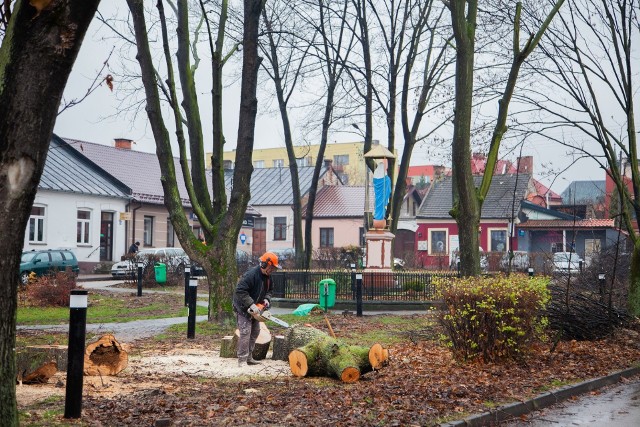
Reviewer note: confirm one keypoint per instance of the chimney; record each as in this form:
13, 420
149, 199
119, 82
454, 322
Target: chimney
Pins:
123, 143
525, 164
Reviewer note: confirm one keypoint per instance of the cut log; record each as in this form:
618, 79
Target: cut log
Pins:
41, 375
327, 356
229, 344
227, 347
105, 357
280, 348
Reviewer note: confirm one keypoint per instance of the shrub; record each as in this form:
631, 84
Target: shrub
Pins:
51, 290
492, 317
413, 285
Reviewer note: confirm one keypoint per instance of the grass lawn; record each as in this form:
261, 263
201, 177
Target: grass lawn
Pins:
110, 308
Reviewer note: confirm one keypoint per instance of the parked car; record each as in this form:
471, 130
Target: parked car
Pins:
175, 259
520, 261
45, 261
484, 261
566, 262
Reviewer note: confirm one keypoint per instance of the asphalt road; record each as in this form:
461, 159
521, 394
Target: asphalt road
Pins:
614, 406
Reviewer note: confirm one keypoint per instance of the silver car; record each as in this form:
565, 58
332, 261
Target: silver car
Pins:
176, 260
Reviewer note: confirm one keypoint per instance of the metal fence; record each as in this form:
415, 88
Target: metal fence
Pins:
382, 286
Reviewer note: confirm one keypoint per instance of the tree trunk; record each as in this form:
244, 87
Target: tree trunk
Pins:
37, 53
229, 344
105, 357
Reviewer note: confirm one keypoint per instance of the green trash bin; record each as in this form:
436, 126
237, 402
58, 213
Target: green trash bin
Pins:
161, 272
327, 291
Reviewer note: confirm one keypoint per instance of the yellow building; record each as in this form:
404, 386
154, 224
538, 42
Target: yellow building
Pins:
347, 159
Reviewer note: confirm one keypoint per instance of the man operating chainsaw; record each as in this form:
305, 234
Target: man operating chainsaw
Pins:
252, 296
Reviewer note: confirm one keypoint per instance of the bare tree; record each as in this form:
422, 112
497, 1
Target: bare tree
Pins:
328, 18
286, 49
467, 199
220, 221
40, 44
589, 72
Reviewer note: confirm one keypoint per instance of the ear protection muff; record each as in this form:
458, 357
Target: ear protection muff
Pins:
264, 264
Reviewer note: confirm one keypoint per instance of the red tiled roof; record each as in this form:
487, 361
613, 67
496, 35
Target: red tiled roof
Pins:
542, 190
568, 223
422, 170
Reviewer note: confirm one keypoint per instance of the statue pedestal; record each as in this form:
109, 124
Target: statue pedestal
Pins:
378, 247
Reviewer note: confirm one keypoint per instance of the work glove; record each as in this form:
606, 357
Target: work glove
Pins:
267, 304
253, 309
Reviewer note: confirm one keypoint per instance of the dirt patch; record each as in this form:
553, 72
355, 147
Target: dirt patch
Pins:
149, 370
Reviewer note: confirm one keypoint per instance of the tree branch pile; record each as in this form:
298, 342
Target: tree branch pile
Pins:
582, 315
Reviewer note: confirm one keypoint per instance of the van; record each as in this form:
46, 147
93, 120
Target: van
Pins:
45, 261
566, 262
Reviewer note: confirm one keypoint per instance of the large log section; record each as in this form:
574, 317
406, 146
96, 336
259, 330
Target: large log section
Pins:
326, 356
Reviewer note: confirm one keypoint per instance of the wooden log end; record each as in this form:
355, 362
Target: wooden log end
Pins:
350, 375
376, 356
298, 363
42, 374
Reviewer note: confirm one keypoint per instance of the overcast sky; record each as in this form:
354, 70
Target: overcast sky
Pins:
96, 120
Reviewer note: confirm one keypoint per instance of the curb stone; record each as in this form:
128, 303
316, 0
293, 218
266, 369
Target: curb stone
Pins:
514, 410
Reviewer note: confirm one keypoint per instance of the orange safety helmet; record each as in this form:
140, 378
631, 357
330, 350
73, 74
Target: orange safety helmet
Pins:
269, 258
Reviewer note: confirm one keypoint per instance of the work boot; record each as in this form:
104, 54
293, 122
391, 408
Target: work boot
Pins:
242, 362
252, 361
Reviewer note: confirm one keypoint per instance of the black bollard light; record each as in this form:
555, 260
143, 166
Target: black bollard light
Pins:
191, 320
530, 271
601, 283
359, 294
353, 281
75, 353
187, 273
140, 267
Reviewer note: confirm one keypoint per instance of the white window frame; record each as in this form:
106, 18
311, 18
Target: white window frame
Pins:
258, 164
430, 231
490, 230
147, 232
84, 227
278, 163
39, 225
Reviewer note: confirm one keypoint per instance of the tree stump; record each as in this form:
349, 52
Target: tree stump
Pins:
30, 358
280, 348
229, 345
105, 357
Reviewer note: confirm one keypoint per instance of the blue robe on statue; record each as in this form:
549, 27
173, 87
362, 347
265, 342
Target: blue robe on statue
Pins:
382, 192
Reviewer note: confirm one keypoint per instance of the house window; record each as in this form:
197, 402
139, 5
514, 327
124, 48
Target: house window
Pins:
36, 224
305, 161
197, 231
326, 237
362, 240
83, 227
148, 231
498, 241
280, 228
438, 240
258, 164
341, 159
557, 247
591, 246
170, 234
278, 163
227, 164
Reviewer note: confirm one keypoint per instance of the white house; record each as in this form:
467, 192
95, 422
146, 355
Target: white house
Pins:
77, 207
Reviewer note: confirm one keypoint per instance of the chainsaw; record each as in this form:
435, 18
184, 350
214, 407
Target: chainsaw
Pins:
265, 315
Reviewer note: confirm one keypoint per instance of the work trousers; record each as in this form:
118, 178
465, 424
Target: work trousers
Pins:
249, 331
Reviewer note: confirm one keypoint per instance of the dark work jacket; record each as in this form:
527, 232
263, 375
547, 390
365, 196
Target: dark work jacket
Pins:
253, 288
